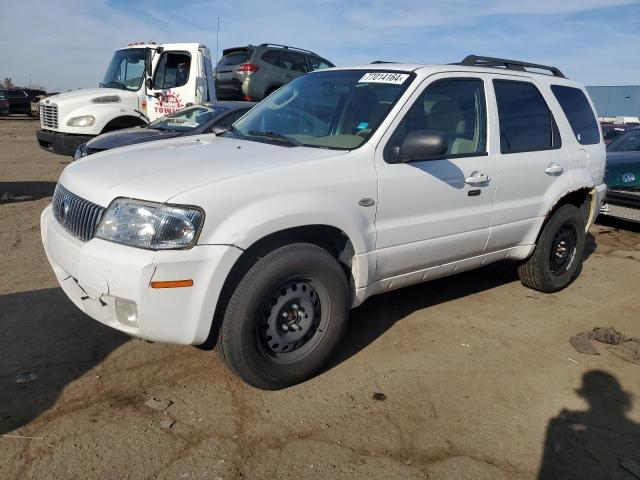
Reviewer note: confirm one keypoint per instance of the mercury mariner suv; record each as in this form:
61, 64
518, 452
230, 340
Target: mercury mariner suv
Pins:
343, 184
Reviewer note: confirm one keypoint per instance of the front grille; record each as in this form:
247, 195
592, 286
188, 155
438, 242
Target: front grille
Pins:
49, 115
78, 216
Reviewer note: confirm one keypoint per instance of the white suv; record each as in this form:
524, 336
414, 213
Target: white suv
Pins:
343, 184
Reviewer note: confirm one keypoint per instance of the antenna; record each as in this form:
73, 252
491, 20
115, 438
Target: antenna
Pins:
217, 39
163, 26
215, 94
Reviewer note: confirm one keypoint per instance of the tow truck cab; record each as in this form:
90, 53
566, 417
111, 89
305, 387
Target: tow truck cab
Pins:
143, 82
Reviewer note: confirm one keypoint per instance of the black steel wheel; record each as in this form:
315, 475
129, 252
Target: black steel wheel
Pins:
557, 258
285, 317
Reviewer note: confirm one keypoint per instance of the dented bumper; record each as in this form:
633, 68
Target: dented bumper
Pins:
100, 277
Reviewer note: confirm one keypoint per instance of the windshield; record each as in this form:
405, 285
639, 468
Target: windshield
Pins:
627, 142
126, 70
337, 109
188, 118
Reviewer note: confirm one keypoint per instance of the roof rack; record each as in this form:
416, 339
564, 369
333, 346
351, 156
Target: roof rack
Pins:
478, 61
380, 61
284, 46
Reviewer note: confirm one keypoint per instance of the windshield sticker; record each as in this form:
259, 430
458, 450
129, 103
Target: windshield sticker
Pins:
362, 125
384, 77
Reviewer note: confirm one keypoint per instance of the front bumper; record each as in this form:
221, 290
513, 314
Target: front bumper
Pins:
624, 204
96, 273
60, 142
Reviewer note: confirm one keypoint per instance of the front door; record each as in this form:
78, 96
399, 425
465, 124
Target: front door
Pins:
437, 211
173, 85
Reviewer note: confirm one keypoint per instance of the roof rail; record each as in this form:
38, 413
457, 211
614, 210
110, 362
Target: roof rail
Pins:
380, 61
478, 61
285, 46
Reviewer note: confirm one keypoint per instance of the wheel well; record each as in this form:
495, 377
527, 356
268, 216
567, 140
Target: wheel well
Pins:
580, 198
332, 239
126, 121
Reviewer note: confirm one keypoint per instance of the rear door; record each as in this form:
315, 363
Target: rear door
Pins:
534, 170
293, 63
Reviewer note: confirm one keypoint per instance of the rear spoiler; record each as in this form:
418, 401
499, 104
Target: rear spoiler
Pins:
227, 51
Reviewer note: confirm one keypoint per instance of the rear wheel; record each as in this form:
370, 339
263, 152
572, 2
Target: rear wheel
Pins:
285, 317
557, 258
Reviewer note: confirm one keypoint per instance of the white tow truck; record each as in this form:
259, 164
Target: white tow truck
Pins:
142, 83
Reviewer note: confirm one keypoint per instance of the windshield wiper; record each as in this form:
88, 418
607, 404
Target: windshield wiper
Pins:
231, 129
119, 85
275, 136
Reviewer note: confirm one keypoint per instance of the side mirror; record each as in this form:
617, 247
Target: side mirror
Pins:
148, 83
423, 145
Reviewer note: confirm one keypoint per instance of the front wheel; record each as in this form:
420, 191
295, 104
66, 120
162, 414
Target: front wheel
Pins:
285, 317
557, 258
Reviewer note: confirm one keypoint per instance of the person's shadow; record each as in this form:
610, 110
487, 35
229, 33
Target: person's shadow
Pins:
591, 444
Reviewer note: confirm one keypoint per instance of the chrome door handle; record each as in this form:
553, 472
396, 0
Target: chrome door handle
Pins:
477, 178
554, 169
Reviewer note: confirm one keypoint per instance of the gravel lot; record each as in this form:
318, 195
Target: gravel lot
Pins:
478, 378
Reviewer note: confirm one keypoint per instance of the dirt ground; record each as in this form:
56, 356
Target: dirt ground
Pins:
478, 376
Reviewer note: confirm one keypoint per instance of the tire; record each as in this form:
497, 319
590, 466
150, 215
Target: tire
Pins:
301, 286
557, 258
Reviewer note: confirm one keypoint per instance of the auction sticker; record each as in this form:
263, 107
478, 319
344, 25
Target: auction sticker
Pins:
384, 77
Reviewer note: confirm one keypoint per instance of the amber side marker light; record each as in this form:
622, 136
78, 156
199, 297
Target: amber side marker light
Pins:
172, 284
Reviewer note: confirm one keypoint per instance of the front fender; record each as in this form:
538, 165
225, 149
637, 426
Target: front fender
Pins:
260, 218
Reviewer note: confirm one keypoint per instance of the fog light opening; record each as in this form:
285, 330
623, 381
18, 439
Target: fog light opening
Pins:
127, 312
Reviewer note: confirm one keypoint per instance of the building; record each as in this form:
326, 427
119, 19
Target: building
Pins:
616, 101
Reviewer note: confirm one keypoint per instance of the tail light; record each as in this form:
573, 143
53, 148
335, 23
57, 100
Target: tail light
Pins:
248, 68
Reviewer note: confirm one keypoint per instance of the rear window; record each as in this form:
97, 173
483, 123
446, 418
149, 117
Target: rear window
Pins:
579, 113
235, 58
526, 123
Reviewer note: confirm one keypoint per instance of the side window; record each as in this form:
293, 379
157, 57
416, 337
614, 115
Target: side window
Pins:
272, 57
579, 113
455, 107
172, 70
318, 63
294, 61
228, 120
17, 94
526, 123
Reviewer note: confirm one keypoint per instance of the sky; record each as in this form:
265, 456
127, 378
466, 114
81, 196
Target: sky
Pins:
65, 44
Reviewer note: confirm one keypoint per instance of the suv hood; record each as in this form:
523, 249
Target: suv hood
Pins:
129, 136
163, 169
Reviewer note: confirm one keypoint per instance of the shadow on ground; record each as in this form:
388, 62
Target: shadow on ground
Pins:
597, 443
379, 313
43, 332
618, 224
16, 192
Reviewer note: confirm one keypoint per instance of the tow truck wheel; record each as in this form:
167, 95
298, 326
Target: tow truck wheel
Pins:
285, 317
557, 258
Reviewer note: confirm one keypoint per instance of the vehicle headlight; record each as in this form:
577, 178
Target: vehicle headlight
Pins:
154, 226
106, 99
83, 121
81, 152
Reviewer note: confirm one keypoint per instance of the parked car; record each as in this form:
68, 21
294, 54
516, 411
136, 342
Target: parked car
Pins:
611, 131
623, 177
255, 71
194, 120
343, 184
19, 101
4, 104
